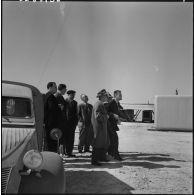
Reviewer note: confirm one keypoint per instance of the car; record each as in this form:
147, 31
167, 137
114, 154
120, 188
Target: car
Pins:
26, 167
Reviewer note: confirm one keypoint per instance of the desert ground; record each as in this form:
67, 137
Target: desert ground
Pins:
155, 162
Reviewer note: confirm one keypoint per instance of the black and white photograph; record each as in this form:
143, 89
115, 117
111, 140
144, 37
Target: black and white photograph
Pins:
97, 97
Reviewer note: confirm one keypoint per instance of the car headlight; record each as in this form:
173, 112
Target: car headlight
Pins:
33, 159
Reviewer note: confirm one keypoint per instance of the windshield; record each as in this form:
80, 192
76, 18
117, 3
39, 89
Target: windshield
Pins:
16, 107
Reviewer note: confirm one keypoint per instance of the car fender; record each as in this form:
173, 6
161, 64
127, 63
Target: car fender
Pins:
50, 179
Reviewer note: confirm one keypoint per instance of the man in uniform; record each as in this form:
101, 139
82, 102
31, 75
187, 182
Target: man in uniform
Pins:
52, 115
84, 124
62, 104
72, 121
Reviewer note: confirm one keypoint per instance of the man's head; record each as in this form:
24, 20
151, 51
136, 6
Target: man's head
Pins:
117, 95
109, 97
51, 86
62, 88
84, 98
71, 94
102, 95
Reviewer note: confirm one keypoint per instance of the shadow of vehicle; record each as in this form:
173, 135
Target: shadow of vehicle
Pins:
95, 182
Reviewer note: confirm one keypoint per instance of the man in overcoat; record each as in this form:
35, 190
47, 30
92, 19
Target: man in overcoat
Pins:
99, 122
84, 124
52, 114
72, 121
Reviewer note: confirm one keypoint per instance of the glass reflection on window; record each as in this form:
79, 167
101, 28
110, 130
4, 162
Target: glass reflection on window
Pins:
10, 106
16, 107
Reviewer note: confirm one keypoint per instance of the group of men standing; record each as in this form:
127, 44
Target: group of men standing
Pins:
60, 113
98, 124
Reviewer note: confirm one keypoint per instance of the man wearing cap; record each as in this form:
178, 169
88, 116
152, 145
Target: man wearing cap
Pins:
72, 120
51, 115
99, 122
84, 124
63, 121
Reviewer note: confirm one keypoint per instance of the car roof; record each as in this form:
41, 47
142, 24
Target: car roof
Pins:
14, 90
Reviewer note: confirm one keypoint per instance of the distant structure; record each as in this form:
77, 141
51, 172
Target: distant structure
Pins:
176, 92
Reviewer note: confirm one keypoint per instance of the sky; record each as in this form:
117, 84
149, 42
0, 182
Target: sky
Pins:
142, 48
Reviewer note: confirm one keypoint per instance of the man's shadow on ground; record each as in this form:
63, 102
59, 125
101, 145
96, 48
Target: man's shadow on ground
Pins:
95, 182
145, 160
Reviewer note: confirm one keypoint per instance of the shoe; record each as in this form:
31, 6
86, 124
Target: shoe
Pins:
88, 151
118, 158
110, 157
71, 155
104, 160
96, 163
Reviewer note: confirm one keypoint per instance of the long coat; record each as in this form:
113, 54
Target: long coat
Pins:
84, 124
52, 112
84, 113
71, 113
61, 100
99, 123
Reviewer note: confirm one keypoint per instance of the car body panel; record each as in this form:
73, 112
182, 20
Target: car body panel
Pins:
21, 134
52, 172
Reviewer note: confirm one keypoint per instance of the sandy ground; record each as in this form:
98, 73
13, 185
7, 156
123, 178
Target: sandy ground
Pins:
155, 162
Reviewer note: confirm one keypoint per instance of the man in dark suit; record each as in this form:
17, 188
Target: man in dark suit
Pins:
114, 110
62, 104
51, 115
72, 120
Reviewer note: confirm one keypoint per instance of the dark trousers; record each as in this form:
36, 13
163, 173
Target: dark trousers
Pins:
98, 154
95, 155
69, 139
63, 142
114, 143
51, 144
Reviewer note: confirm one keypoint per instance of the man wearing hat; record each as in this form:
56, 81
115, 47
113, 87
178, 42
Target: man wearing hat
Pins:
72, 120
99, 123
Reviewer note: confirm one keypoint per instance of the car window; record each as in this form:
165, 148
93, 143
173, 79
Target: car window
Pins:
16, 107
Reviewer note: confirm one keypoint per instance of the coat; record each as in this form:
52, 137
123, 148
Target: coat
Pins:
84, 114
84, 124
71, 113
61, 100
52, 112
99, 123
114, 108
